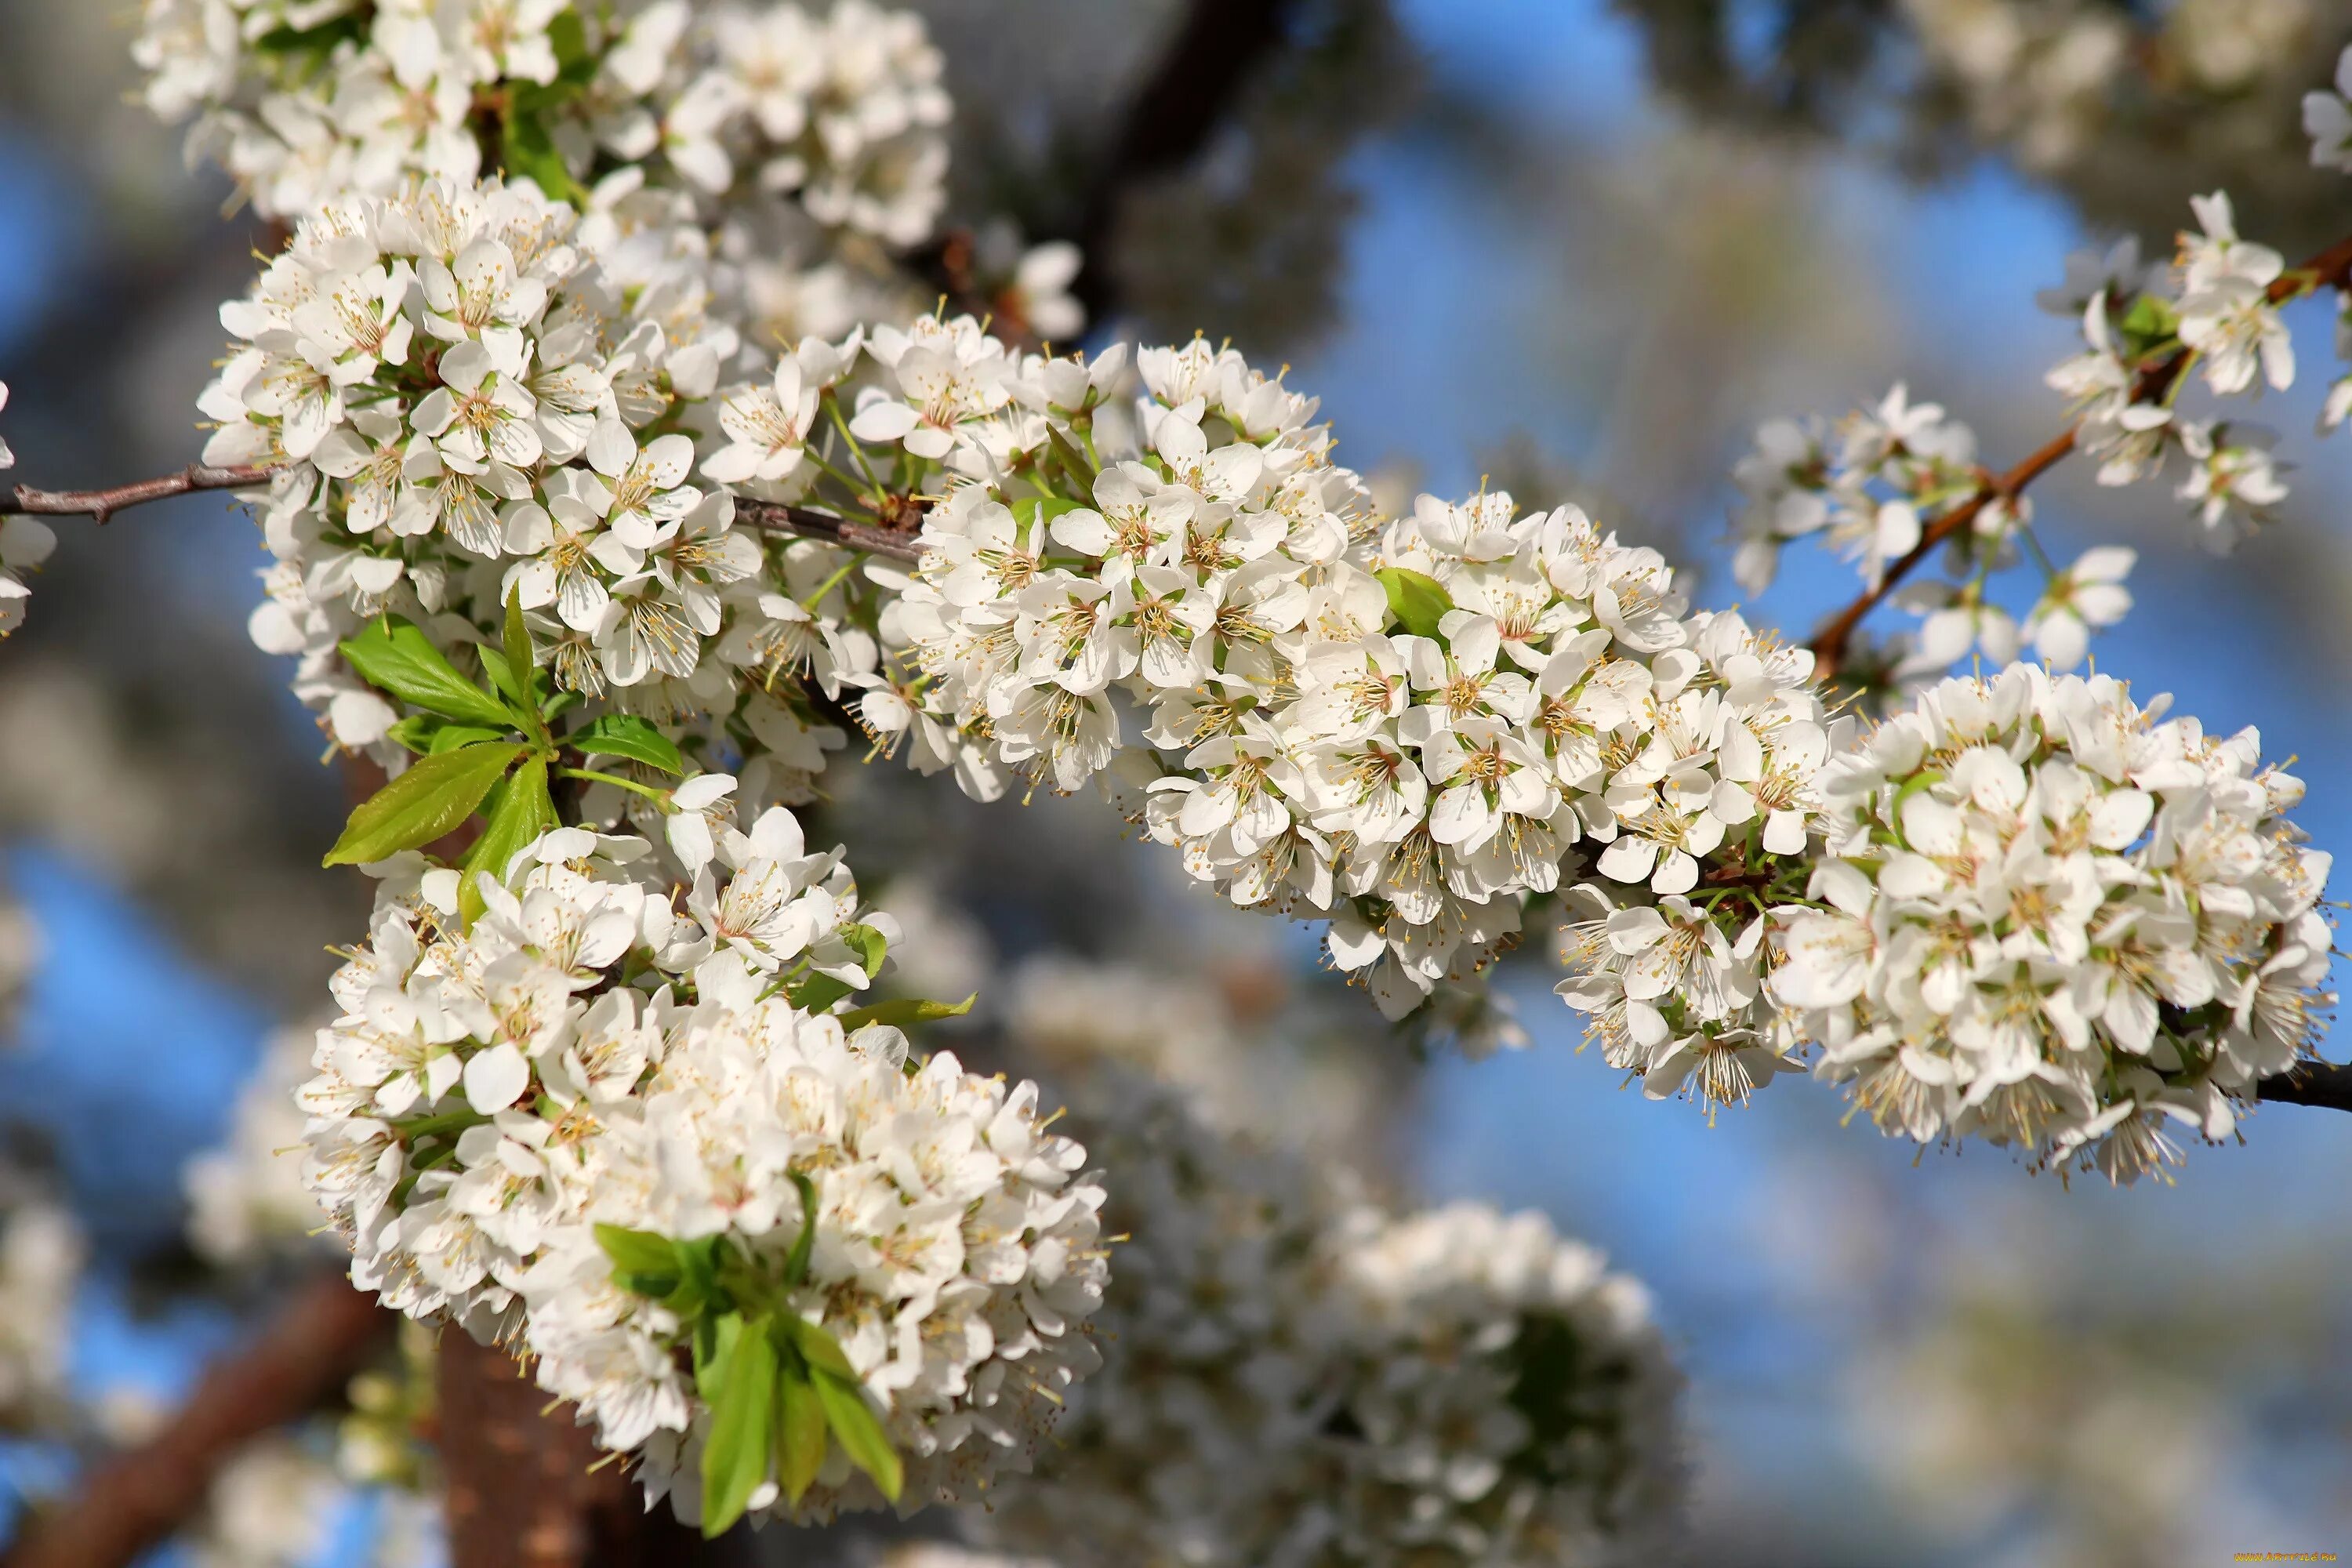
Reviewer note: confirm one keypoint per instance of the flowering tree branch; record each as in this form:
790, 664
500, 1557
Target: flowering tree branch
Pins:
305, 1356
99, 505
2329, 267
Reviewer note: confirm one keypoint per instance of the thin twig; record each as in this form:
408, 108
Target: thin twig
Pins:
2328, 269
2328, 1084
100, 505
323, 1335
765, 517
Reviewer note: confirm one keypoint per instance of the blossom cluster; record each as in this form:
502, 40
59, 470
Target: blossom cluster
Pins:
25, 543
1877, 485
1406, 727
1297, 1378
248, 1203
836, 119
469, 405
598, 1055
2055, 920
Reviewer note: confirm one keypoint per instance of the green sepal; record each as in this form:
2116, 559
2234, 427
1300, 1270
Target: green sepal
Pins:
433, 798
392, 654
1416, 603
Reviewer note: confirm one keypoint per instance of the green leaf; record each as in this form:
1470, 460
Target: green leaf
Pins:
452, 737
796, 1264
637, 1251
392, 654
1416, 603
525, 149
800, 1434
626, 736
819, 1349
816, 993
1031, 509
905, 1011
520, 663
524, 812
743, 1425
872, 946
1073, 462
432, 797
415, 733
567, 36
860, 1433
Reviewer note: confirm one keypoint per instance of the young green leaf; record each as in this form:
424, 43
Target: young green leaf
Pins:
626, 736
526, 149
800, 1434
871, 944
451, 736
818, 1348
524, 812
859, 1433
638, 1251
742, 1427
1417, 602
905, 1010
432, 797
796, 1264
1041, 509
519, 668
1073, 462
815, 992
392, 654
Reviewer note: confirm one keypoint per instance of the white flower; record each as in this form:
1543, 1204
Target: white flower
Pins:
2086, 596
2327, 120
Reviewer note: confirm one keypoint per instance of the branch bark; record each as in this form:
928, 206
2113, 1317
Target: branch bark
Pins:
101, 504
2328, 1084
309, 1350
765, 517
2329, 269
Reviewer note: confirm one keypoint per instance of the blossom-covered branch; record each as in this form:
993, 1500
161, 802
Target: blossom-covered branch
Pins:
99, 505
2151, 384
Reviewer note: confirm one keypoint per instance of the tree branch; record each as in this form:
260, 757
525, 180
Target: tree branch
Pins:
100, 505
764, 517
2330, 268
1198, 81
322, 1336
2328, 1084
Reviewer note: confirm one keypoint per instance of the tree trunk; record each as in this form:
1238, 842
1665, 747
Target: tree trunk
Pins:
525, 1489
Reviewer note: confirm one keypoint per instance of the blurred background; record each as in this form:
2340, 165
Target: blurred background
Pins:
1579, 250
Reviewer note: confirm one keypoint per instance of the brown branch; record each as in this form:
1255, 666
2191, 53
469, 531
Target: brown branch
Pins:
322, 1336
2329, 267
100, 505
2328, 1084
764, 517
1198, 82
773, 517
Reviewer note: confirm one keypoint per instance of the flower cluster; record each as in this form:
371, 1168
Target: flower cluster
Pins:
470, 406
1869, 487
2143, 331
25, 543
1406, 727
506, 1115
2054, 920
310, 102
1295, 1379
